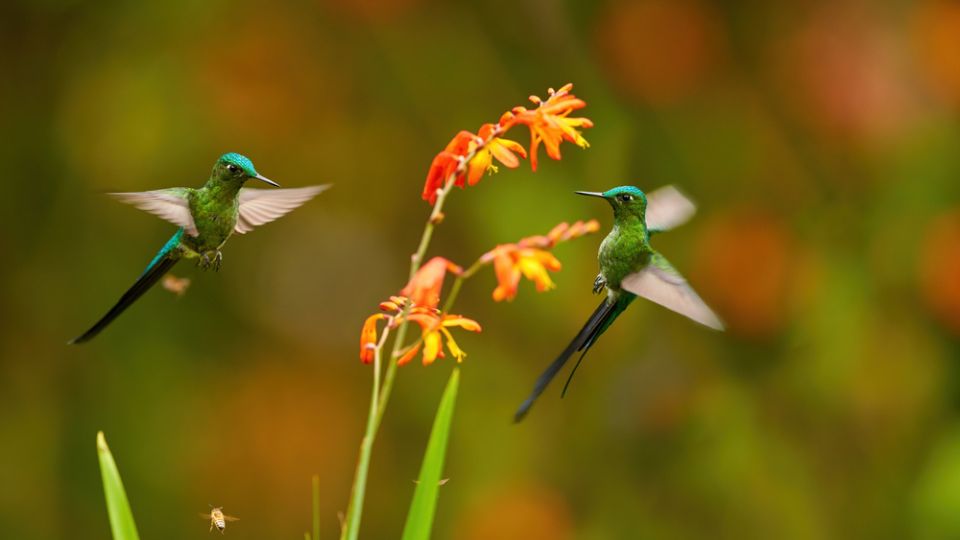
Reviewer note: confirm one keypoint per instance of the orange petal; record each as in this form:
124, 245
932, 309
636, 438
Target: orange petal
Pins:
425, 286
368, 338
508, 277
478, 165
407, 356
469, 325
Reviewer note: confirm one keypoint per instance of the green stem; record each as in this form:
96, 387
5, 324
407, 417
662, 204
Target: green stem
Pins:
455, 289
352, 527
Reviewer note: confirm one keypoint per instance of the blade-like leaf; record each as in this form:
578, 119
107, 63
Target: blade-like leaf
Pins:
424, 504
316, 507
121, 519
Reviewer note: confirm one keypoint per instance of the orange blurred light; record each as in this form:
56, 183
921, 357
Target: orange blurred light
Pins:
518, 513
940, 269
659, 51
936, 35
744, 257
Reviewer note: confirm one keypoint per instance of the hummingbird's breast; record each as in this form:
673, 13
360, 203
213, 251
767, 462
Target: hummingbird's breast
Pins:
215, 221
622, 252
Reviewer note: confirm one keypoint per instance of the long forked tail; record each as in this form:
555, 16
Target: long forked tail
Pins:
596, 324
155, 271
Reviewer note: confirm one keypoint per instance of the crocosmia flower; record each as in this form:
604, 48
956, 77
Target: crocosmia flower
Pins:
531, 258
469, 156
511, 261
424, 289
434, 327
550, 123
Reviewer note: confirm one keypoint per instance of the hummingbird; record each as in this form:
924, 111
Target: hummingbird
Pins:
207, 217
630, 267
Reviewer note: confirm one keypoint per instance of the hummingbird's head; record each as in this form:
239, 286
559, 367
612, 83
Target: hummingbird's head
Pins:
233, 167
625, 200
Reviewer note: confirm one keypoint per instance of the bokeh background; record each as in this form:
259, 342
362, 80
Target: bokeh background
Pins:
820, 139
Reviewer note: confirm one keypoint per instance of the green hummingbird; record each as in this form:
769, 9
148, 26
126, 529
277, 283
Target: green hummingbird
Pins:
207, 217
630, 267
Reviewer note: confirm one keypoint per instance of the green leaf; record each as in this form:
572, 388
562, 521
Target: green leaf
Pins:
316, 508
424, 503
121, 519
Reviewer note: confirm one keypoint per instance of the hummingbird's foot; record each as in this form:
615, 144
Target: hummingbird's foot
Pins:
205, 261
217, 260
599, 284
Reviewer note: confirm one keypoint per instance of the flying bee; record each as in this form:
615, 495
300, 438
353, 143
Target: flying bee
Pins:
217, 518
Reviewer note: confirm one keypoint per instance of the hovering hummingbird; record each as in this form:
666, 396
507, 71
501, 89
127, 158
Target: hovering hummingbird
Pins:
207, 217
630, 267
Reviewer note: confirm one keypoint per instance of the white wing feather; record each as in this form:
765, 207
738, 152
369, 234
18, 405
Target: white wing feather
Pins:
168, 204
259, 206
668, 208
660, 283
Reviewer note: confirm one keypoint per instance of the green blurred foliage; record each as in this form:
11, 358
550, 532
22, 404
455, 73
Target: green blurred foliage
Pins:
819, 139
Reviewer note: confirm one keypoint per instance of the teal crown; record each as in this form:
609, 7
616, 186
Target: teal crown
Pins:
620, 190
240, 161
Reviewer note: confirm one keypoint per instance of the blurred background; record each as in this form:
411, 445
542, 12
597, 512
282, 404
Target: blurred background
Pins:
820, 140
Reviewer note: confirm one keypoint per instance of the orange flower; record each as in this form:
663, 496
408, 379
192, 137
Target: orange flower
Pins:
549, 123
424, 289
446, 163
510, 261
530, 258
482, 147
434, 327
468, 156
493, 147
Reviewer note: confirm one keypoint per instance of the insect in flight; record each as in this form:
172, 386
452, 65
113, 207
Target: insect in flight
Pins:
217, 518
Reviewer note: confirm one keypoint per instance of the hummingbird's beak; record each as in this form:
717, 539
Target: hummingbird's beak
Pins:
590, 194
263, 178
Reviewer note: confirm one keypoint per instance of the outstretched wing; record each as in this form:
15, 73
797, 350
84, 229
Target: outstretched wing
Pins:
169, 204
259, 206
230, 518
667, 208
659, 282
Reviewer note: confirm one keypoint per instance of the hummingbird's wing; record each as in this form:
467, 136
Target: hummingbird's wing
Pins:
667, 208
259, 206
659, 282
169, 204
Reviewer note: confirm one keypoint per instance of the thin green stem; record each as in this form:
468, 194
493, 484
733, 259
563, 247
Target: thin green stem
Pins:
457, 283
355, 509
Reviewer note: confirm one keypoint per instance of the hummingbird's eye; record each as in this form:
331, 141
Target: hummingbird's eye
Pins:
626, 197
233, 168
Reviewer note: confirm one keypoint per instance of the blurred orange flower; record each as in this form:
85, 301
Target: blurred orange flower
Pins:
510, 261
424, 288
530, 258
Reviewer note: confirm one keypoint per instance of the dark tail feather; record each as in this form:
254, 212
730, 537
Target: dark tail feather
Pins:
147, 280
586, 336
563, 393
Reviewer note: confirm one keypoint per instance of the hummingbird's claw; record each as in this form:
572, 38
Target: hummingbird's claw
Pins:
206, 261
599, 284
